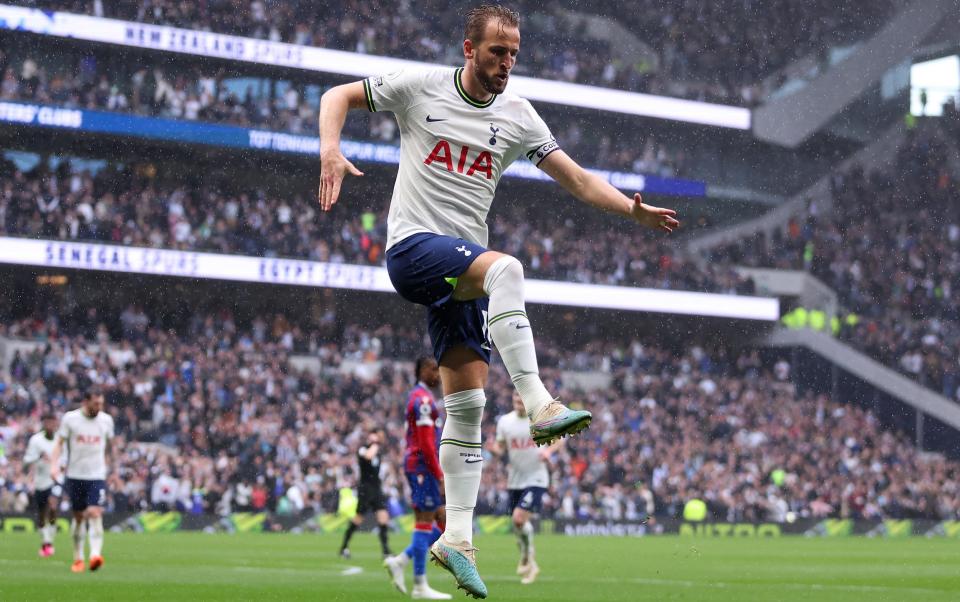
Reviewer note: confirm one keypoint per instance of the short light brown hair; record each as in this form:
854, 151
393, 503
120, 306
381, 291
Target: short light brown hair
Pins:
478, 17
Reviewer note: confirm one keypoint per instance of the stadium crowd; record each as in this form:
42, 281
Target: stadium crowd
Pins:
192, 93
215, 417
721, 52
133, 206
890, 248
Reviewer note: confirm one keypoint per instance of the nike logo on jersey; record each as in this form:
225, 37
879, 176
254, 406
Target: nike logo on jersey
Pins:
472, 460
521, 326
429, 120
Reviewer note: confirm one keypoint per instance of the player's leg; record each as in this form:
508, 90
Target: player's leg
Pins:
48, 522
439, 524
425, 269
500, 277
528, 504
463, 374
352, 526
383, 531
426, 534
94, 516
96, 501
519, 517
78, 530
52, 502
41, 500
78, 526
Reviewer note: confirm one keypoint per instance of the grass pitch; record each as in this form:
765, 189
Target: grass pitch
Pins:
198, 566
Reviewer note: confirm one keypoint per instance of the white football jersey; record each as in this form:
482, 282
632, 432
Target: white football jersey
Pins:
525, 467
86, 440
39, 449
453, 150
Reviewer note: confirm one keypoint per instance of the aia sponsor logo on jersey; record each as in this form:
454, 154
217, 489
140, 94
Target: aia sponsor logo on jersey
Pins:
521, 443
481, 164
88, 439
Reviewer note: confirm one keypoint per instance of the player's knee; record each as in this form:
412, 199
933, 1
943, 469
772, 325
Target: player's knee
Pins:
465, 408
518, 520
504, 272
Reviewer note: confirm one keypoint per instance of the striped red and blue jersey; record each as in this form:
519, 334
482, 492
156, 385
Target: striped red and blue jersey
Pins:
423, 433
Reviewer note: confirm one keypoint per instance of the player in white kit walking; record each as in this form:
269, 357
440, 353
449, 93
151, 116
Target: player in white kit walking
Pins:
86, 432
527, 480
46, 493
459, 132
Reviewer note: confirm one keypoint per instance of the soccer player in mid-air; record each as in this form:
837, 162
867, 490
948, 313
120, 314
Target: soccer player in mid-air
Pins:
527, 480
86, 432
459, 132
369, 495
422, 467
46, 493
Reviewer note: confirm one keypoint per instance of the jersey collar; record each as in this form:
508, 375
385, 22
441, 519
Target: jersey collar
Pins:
473, 102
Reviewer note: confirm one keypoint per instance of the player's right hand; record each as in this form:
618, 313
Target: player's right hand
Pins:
333, 167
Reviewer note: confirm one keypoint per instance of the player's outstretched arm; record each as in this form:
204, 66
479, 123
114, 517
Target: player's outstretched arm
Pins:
599, 193
334, 105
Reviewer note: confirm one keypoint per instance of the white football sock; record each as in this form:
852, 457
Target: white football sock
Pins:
48, 532
522, 543
79, 532
528, 536
95, 528
462, 461
511, 332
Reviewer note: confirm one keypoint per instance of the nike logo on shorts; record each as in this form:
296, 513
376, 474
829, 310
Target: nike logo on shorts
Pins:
519, 326
434, 120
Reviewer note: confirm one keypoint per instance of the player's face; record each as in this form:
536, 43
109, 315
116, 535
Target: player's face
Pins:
50, 425
93, 405
518, 405
373, 439
495, 56
430, 373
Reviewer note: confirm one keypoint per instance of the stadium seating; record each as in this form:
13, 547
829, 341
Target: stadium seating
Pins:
188, 92
889, 250
722, 51
215, 418
157, 208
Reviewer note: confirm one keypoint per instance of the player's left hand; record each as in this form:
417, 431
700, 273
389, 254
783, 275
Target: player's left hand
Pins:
656, 218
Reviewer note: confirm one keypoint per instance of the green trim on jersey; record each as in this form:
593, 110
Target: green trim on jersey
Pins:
369, 96
463, 93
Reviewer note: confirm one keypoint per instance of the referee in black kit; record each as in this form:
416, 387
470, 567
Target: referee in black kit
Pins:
369, 495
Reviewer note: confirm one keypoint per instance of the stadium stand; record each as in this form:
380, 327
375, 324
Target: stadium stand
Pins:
150, 205
704, 52
216, 95
888, 247
218, 419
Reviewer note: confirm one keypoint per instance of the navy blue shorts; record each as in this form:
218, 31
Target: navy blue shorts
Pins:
424, 491
424, 269
84, 493
42, 496
529, 499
